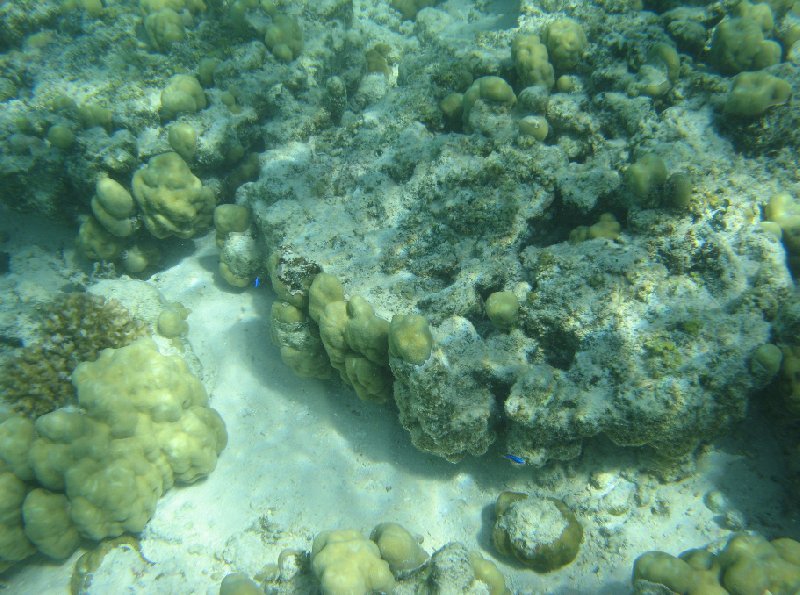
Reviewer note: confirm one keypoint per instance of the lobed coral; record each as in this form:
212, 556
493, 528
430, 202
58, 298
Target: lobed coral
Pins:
73, 328
97, 470
747, 565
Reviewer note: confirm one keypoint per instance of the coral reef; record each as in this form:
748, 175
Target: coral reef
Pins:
73, 328
142, 423
344, 562
747, 565
526, 227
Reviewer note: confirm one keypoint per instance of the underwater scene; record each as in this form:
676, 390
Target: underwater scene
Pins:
410, 297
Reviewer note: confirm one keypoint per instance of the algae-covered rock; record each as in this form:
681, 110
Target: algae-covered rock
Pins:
542, 533
446, 410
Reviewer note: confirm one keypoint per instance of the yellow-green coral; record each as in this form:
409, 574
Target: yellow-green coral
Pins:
658, 74
782, 219
172, 320
60, 136
97, 243
172, 199
141, 424
502, 308
299, 342
372, 382
356, 341
398, 547
409, 8
113, 207
284, 37
228, 219
530, 61
753, 93
491, 89
164, 27
646, 176
534, 126
324, 289
182, 95
566, 42
345, 562
182, 137
410, 338
365, 332
738, 45
606, 227
748, 565
74, 328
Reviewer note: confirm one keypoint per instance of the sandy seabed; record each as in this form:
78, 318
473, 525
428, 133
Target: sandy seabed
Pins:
304, 456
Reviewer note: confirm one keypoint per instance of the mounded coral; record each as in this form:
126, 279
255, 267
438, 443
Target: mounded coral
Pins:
284, 37
165, 21
164, 27
566, 42
646, 176
753, 93
492, 90
542, 533
98, 471
73, 328
398, 547
95, 242
113, 207
530, 59
409, 8
344, 562
228, 219
299, 341
172, 199
782, 219
182, 95
738, 44
410, 338
502, 308
747, 565
241, 256
606, 227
